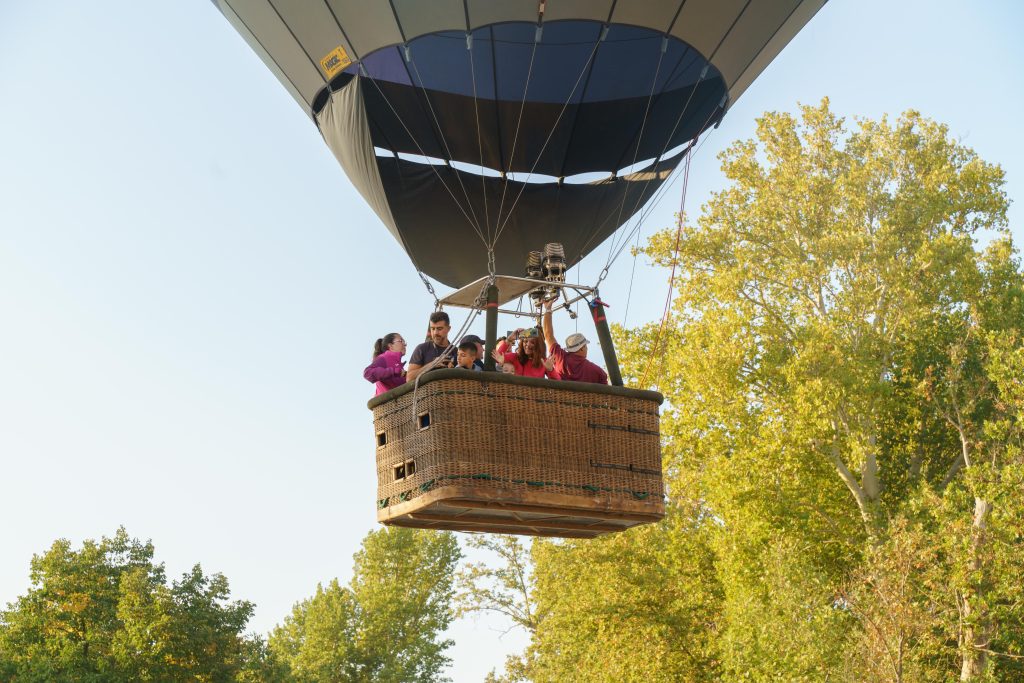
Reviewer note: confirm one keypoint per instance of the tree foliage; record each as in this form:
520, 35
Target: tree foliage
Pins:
105, 612
501, 584
843, 437
829, 382
842, 369
386, 624
504, 586
641, 605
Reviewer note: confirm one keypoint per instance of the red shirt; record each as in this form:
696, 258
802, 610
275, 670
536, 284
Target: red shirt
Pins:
576, 368
526, 370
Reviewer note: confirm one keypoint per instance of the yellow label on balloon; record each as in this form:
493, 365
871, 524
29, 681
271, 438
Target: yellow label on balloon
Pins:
336, 60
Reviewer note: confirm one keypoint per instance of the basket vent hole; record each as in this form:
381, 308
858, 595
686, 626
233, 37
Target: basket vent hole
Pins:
423, 420
399, 471
410, 468
382, 439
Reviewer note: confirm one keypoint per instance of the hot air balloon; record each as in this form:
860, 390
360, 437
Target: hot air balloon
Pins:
504, 126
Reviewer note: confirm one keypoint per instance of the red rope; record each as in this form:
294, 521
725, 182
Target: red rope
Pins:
672, 278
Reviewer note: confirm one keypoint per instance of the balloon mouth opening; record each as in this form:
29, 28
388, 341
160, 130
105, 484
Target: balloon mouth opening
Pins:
578, 103
587, 178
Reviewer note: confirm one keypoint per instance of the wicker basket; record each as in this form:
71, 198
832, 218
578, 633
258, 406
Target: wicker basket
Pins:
485, 451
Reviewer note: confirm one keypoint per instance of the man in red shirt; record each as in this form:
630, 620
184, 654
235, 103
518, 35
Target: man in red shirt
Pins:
571, 362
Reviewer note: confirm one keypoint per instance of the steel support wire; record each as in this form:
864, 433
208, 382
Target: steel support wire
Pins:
551, 134
408, 132
440, 131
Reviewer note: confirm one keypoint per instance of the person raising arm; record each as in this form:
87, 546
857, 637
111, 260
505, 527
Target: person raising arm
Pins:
530, 358
571, 362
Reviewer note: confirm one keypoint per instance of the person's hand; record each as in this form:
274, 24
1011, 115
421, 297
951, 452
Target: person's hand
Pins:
498, 356
549, 364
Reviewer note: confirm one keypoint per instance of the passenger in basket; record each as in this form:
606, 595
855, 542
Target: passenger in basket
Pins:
571, 362
431, 353
386, 370
529, 359
479, 343
467, 358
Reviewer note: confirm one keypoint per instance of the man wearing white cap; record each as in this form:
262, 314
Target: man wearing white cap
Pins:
571, 361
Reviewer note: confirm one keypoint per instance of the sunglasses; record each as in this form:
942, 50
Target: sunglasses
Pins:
529, 333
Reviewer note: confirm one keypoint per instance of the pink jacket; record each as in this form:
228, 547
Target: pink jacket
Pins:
386, 371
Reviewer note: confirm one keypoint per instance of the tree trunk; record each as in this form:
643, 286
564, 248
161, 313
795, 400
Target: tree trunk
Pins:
978, 629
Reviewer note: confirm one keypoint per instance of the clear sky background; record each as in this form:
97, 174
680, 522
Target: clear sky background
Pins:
190, 287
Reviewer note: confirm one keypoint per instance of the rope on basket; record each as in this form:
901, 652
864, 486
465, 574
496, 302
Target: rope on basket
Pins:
478, 305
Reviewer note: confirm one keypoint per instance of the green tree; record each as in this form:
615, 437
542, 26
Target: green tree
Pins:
973, 388
896, 598
504, 585
106, 613
1003, 485
641, 605
386, 624
827, 366
261, 665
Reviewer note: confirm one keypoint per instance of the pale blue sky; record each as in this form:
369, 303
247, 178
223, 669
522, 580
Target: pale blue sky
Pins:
189, 286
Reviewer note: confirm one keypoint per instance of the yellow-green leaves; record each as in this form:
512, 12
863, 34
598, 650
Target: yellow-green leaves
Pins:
385, 626
106, 612
837, 344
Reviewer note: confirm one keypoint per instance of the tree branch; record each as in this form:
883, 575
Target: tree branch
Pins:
953, 470
850, 481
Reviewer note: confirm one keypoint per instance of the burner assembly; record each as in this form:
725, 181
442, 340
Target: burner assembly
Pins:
554, 269
547, 265
535, 271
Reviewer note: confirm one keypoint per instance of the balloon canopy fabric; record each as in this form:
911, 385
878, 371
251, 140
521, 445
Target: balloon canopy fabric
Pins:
495, 126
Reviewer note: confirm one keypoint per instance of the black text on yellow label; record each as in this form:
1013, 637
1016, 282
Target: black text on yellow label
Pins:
336, 60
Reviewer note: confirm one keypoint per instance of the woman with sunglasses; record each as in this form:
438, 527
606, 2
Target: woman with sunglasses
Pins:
386, 370
530, 358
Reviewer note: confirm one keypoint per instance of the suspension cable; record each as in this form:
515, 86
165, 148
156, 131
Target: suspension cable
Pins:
668, 141
519, 120
408, 132
659, 194
551, 134
643, 124
671, 281
478, 305
632, 274
622, 246
440, 131
479, 136
430, 289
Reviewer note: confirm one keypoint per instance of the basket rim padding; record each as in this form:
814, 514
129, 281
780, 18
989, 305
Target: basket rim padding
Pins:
505, 378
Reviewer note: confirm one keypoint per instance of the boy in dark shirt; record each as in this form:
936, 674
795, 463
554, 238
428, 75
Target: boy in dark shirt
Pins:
479, 363
467, 358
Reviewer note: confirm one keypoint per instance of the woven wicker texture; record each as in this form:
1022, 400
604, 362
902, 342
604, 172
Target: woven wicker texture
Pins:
545, 438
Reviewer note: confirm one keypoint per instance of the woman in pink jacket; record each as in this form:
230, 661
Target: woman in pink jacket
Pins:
386, 370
